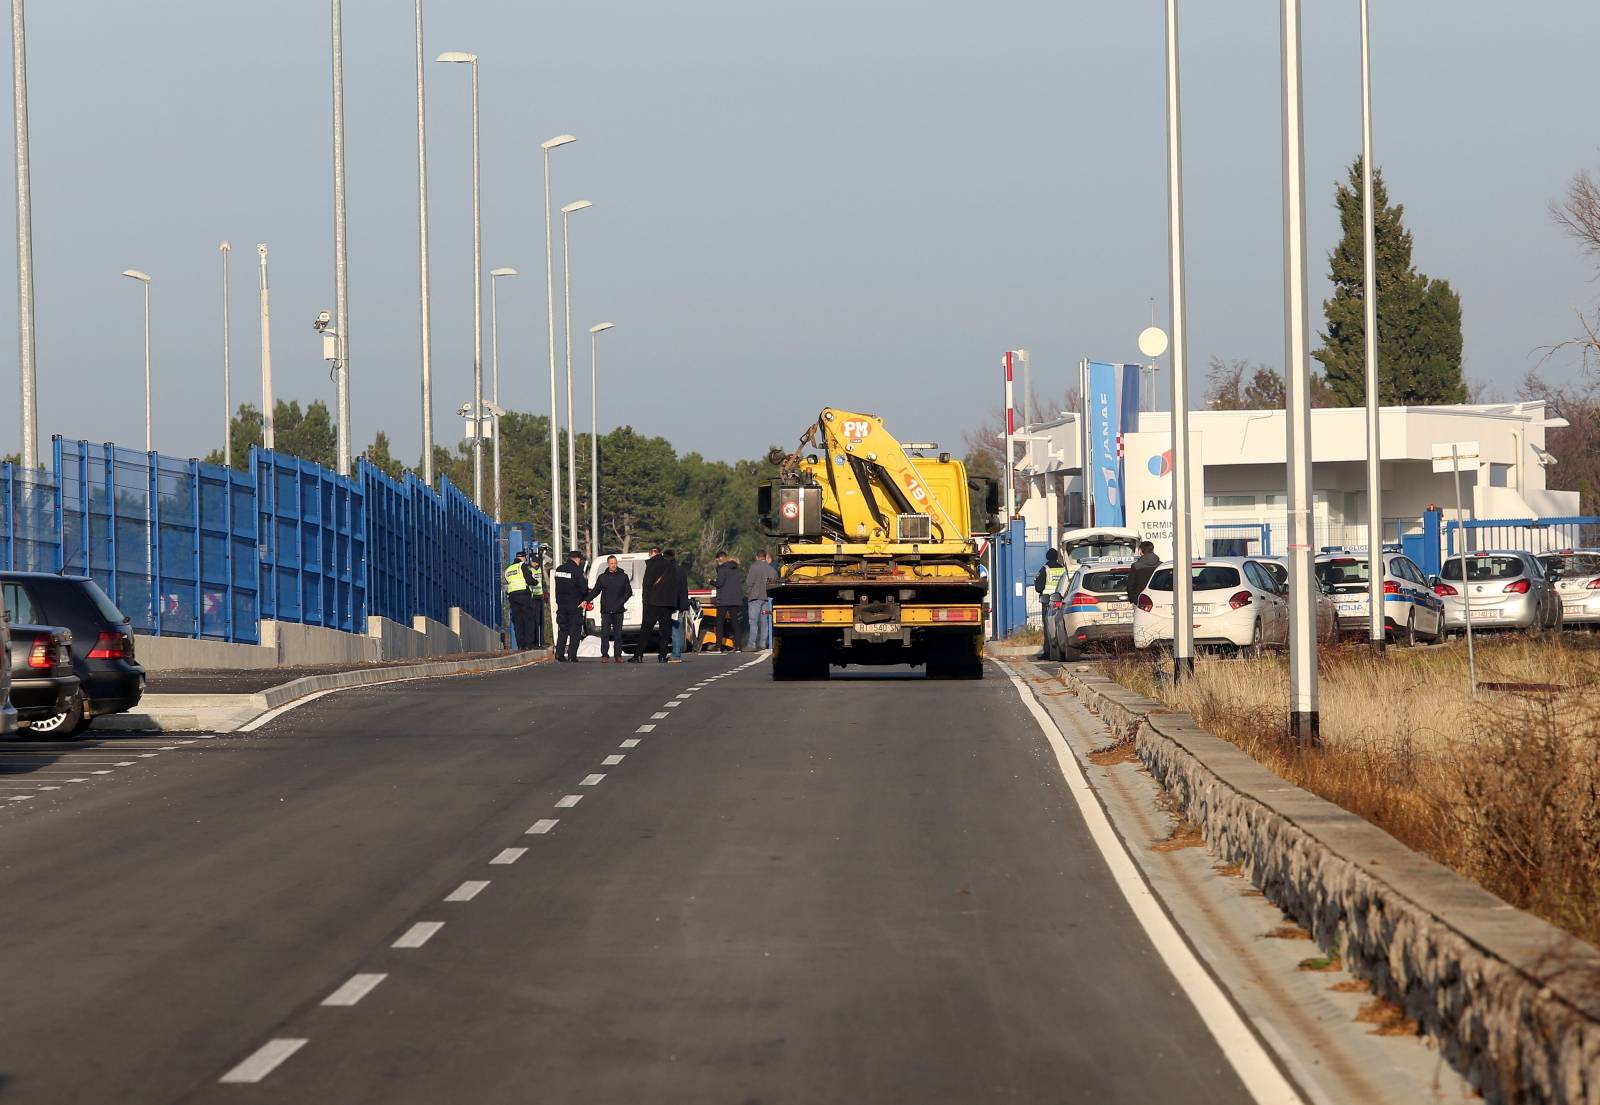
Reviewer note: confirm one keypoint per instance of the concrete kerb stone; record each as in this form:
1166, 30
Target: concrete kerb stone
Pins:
1511, 1001
312, 684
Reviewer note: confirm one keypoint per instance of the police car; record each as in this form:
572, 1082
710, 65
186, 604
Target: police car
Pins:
1089, 609
1411, 610
1576, 573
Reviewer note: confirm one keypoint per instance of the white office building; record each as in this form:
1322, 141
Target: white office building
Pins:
1238, 478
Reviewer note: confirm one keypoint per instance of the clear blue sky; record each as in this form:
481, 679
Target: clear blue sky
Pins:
849, 203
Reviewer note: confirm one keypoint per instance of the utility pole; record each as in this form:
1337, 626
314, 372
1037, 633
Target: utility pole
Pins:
227, 366
341, 288
1182, 579
26, 364
1375, 633
422, 263
268, 439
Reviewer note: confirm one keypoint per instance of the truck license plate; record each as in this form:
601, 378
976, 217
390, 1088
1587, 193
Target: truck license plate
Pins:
878, 629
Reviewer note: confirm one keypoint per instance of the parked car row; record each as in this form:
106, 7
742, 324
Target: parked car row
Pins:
70, 655
1241, 603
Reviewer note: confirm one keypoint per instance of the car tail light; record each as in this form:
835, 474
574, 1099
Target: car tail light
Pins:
1240, 600
110, 646
1144, 603
1517, 587
1083, 598
1444, 590
43, 655
1594, 584
955, 614
1390, 587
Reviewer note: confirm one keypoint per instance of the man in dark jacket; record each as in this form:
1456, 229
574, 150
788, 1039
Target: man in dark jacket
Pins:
680, 624
659, 589
572, 592
1144, 566
614, 589
729, 585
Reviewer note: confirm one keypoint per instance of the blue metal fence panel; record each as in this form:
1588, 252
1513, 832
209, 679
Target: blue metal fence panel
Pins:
389, 573
1246, 539
473, 583
428, 553
30, 530
312, 557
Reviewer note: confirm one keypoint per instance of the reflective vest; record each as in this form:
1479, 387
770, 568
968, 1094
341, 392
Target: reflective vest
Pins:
517, 579
1052, 576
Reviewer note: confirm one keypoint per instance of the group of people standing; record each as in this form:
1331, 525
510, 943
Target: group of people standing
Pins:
744, 611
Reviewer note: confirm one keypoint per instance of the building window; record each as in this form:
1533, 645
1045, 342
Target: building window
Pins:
1230, 500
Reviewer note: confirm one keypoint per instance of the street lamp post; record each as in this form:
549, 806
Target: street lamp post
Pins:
25, 341
144, 278
1303, 720
341, 264
594, 439
494, 356
1375, 611
268, 436
1182, 579
457, 57
566, 279
227, 365
423, 293
550, 305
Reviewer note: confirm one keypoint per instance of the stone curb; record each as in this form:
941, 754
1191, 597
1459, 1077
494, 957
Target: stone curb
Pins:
1512, 1002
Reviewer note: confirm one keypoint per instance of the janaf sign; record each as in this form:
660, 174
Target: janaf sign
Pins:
1113, 412
1149, 486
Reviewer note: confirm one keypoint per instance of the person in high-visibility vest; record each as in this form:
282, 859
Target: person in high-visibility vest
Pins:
525, 590
1048, 579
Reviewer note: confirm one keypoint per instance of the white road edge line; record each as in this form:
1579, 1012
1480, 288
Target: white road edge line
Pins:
266, 1059
509, 855
542, 826
467, 890
418, 934
1245, 1052
257, 722
358, 987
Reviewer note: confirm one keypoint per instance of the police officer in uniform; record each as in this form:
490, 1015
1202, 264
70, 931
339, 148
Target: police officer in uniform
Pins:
525, 590
1045, 582
572, 591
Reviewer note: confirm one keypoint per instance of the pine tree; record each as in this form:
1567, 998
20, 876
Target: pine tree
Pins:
1419, 319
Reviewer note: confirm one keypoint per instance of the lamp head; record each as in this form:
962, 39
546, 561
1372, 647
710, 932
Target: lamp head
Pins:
456, 56
141, 277
225, 246
558, 140
576, 205
600, 327
504, 272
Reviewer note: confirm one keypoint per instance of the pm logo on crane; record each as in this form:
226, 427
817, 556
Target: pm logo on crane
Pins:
857, 429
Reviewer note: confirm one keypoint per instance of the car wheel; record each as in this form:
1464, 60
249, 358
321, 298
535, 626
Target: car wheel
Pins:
1410, 640
64, 726
1253, 649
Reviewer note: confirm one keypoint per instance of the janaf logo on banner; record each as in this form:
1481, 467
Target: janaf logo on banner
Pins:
1113, 411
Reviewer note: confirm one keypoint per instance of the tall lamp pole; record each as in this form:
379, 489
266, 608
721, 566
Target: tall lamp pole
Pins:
459, 58
424, 293
227, 364
268, 436
566, 279
550, 303
144, 278
25, 342
1182, 580
594, 439
494, 356
1303, 722
1375, 610
341, 263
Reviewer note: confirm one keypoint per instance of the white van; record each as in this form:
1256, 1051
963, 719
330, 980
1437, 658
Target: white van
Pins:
633, 613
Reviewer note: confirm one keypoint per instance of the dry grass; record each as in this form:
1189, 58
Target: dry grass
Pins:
1503, 787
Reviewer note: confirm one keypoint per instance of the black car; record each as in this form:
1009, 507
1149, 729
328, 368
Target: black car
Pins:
44, 689
112, 682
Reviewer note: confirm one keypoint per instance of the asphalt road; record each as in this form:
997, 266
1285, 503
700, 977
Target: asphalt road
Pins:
867, 890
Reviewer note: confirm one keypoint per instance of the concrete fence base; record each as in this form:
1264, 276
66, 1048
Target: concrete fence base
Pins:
289, 644
1513, 1002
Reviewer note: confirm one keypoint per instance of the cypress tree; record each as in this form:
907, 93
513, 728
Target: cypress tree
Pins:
1419, 319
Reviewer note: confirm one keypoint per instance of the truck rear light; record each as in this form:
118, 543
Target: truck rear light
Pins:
43, 655
1517, 587
1444, 590
110, 646
1240, 600
955, 614
1083, 598
794, 615
1144, 603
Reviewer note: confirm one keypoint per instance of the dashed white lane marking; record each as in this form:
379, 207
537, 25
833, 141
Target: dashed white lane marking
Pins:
266, 1059
358, 987
568, 802
148, 755
686, 695
631, 742
1260, 1075
659, 716
418, 934
611, 761
509, 855
645, 729
20, 797
545, 824
467, 890
591, 780
664, 706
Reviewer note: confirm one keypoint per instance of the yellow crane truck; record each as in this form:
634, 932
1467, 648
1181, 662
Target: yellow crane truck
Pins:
878, 560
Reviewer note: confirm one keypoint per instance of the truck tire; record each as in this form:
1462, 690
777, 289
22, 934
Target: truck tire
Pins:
794, 660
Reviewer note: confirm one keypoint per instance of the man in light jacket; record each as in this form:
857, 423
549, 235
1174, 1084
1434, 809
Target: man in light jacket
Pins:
758, 606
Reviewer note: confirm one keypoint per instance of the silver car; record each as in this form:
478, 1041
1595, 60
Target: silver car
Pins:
1089, 610
1576, 575
1508, 589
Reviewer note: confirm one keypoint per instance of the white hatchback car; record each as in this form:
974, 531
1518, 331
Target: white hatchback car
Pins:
1576, 573
1238, 605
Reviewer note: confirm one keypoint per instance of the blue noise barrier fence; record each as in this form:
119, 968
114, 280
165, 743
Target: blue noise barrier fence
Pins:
189, 549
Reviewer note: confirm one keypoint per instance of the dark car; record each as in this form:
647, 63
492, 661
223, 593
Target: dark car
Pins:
8, 712
112, 682
44, 689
